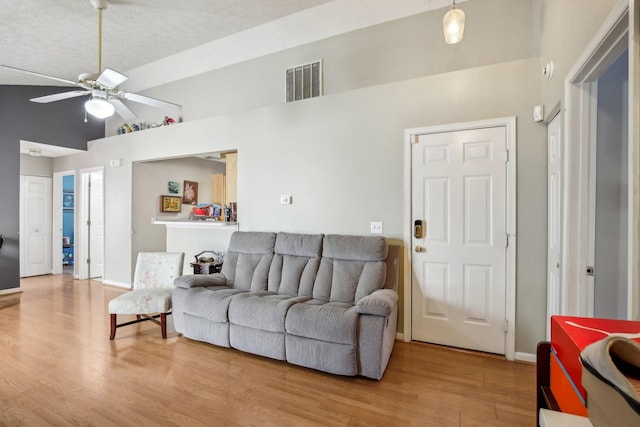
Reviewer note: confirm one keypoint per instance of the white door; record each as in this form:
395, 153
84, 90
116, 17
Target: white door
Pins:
96, 230
35, 225
554, 216
91, 224
459, 264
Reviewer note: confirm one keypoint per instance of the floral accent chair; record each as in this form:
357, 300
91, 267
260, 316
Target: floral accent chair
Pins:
150, 297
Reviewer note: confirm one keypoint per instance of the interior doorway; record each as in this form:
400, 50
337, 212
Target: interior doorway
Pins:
64, 223
610, 253
600, 193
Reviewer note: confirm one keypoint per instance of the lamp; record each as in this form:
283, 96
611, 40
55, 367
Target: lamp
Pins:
453, 25
98, 106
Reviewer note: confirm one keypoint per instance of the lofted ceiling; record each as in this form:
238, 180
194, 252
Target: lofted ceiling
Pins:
60, 37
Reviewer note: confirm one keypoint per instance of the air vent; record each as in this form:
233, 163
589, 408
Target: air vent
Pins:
304, 81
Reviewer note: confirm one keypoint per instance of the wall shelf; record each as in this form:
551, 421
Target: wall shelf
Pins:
210, 225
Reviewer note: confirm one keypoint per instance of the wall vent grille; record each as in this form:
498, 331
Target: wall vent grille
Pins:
304, 81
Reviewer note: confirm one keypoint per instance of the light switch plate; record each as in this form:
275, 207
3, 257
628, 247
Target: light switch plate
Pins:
285, 199
376, 227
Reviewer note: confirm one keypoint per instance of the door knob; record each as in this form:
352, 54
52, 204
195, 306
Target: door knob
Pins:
419, 248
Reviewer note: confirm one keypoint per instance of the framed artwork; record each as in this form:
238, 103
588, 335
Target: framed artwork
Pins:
170, 204
190, 193
173, 187
68, 201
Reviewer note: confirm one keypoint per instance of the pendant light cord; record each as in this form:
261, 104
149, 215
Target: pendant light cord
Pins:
100, 41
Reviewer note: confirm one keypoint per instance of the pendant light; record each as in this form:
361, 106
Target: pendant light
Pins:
453, 25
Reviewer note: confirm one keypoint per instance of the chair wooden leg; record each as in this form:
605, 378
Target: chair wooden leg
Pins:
113, 326
163, 325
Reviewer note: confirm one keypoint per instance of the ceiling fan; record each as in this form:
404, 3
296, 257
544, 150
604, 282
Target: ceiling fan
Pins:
102, 88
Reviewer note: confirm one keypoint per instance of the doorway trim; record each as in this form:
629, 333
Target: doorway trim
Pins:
82, 202
509, 123
576, 288
56, 246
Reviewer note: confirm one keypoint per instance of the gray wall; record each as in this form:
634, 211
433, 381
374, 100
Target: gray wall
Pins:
61, 124
37, 166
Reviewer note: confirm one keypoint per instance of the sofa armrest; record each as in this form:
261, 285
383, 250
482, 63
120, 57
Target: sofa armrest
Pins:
380, 303
197, 280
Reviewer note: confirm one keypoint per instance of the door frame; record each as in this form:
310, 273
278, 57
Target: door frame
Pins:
509, 123
56, 241
82, 203
618, 32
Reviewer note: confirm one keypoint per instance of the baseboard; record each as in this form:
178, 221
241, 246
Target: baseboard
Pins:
116, 284
10, 297
525, 357
399, 336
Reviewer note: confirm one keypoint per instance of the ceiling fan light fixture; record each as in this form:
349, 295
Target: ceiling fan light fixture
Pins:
453, 25
99, 108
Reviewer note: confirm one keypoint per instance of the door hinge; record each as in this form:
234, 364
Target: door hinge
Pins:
507, 156
506, 240
88, 261
506, 326
414, 139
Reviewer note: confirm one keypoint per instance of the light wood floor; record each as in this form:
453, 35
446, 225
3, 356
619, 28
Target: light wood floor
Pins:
58, 367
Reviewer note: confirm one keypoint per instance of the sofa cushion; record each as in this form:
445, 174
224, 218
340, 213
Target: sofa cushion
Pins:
355, 248
261, 310
331, 322
246, 264
351, 268
295, 264
209, 304
145, 300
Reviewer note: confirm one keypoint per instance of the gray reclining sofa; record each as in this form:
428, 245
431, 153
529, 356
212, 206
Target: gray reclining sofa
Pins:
326, 302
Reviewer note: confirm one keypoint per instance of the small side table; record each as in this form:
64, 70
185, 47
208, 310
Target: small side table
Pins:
205, 267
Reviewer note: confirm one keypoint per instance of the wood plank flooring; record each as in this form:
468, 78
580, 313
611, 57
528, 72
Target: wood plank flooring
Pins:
58, 367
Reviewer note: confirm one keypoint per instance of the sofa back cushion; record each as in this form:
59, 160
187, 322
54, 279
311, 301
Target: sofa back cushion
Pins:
351, 268
295, 264
246, 264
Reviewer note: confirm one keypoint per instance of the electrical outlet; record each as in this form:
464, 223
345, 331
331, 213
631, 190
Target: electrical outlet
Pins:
285, 199
376, 227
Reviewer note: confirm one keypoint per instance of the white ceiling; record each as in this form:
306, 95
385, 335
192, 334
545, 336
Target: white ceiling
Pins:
157, 41
60, 37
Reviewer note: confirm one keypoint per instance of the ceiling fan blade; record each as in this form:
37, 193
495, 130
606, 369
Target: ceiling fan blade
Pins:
33, 73
111, 78
122, 110
152, 102
60, 96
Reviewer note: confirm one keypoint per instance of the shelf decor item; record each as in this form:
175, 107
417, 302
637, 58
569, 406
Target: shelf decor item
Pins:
170, 204
190, 193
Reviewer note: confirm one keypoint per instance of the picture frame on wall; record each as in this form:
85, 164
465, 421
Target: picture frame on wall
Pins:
190, 193
68, 200
170, 204
173, 187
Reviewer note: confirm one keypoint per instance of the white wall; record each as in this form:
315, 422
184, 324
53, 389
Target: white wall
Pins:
341, 155
34, 165
341, 158
567, 27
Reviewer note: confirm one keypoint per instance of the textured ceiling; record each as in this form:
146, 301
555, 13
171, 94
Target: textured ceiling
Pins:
60, 37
